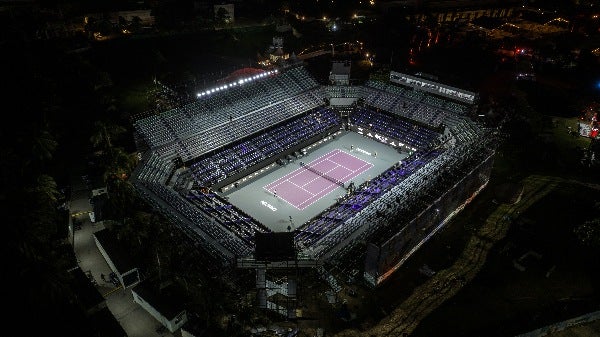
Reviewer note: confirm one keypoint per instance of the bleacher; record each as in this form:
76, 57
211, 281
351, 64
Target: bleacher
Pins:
227, 132
401, 130
411, 104
230, 161
332, 219
245, 103
336, 91
230, 217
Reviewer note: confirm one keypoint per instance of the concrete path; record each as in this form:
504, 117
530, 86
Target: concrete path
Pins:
136, 321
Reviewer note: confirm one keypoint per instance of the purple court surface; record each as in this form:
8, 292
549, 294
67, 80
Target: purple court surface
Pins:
304, 186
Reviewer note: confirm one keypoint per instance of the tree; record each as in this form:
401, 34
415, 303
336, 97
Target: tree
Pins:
589, 233
44, 145
104, 133
136, 24
47, 190
223, 15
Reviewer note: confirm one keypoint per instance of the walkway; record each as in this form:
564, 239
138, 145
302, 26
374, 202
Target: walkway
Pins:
135, 321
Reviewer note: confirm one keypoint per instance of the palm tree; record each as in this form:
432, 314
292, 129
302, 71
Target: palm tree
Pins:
46, 190
44, 144
104, 133
39, 215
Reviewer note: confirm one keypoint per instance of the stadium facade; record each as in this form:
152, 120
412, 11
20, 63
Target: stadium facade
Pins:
237, 132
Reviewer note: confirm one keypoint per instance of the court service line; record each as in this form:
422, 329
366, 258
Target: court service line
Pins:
299, 171
279, 198
302, 188
352, 172
327, 189
361, 160
323, 194
333, 185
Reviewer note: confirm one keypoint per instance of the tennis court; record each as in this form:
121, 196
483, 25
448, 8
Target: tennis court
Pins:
312, 181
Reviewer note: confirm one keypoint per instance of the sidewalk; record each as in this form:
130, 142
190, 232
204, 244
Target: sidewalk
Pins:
134, 320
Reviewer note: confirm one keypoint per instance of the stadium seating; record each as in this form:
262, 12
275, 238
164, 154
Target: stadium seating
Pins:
366, 193
245, 103
227, 215
381, 123
229, 131
230, 161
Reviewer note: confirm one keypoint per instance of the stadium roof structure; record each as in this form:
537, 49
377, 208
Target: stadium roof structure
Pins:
451, 156
241, 73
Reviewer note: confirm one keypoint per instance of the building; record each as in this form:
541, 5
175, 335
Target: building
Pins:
340, 73
164, 304
125, 271
419, 158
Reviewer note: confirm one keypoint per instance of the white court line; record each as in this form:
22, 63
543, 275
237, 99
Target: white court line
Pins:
302, 188
300, 170
321, 197
352, 171
370, 165
350, 155
287, 202
323, 158
295, 175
